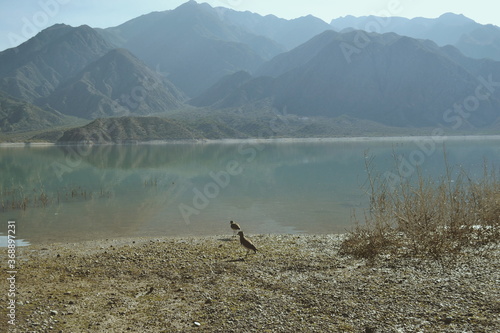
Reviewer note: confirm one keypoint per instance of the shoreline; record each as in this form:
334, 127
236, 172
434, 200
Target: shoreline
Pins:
271, 140
26, 244
293, 283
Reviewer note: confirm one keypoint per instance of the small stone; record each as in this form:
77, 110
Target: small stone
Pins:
197, 324
53, 312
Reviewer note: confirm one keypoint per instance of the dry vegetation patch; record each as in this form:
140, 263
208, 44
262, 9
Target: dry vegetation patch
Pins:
427, 217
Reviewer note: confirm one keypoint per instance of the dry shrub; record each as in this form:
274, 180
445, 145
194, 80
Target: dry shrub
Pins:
368, 241
422, 216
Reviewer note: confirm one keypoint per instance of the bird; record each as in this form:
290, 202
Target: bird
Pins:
247, 243
235, 226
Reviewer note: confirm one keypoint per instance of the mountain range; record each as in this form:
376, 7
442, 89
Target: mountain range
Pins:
471, 38
215, 71
394, 80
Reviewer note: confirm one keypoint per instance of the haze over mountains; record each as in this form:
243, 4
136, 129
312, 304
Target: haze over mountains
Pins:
226, 68
471, 38
394, 80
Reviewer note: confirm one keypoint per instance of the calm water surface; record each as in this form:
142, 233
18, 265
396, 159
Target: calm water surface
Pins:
80, 193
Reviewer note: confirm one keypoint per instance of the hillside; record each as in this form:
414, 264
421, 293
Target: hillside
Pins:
143, 129
19, 116
127, 129
193, 45
37, 67
115, 85
393, 80
482, 42
226, 85
228, 124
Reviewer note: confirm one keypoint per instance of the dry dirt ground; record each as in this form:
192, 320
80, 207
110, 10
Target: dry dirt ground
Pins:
295, 283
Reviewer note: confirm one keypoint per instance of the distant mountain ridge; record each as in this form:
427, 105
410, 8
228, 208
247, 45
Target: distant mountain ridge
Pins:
289, 33
394, 80
445, 30
471, 38
229, 73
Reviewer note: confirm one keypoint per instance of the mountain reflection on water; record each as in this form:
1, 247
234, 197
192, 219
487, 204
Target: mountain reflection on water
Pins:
74, 193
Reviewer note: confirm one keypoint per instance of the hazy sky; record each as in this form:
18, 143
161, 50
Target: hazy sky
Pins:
21, 19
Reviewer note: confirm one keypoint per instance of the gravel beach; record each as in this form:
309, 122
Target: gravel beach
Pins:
294, 283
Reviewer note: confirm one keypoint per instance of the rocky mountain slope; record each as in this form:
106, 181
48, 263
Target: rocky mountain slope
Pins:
208, 63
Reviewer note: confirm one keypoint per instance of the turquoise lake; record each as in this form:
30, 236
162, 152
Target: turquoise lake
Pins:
77, 193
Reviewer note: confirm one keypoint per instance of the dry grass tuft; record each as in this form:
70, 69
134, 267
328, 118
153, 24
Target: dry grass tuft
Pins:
422, 216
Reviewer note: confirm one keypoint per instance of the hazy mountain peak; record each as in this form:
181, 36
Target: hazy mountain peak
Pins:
49, 58
289, 33
190, 6
194, 44
447, 29
191, 3
58, 27
452, 18
62, 32
41, 39
308, 17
